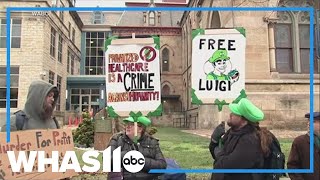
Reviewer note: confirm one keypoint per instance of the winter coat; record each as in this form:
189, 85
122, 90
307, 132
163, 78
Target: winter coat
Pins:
241, 150
148, 146
299, 158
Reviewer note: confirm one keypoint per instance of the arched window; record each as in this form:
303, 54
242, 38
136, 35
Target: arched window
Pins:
152, 18
165, 90
304, 43
292, 40
165, 59
283, 43
97, 17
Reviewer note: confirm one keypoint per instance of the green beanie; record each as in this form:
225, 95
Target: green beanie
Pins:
247, 109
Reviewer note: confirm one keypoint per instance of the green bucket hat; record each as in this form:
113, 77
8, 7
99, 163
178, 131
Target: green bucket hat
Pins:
247, 109
219, 55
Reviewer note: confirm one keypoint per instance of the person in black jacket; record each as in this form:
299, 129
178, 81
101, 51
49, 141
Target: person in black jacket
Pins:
240, 147
146, 145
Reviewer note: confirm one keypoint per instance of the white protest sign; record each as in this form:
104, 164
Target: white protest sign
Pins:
218, 65
133, 78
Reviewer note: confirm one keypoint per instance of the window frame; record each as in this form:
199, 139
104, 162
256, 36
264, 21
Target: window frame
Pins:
14, 72
51, 77
60, 48
152, 18
13, 25
297, 62
94, 61
165, 57
53, 35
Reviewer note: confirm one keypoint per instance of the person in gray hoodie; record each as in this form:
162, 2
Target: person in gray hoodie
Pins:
37, 113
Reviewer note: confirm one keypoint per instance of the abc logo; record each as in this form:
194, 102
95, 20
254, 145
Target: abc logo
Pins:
133, 161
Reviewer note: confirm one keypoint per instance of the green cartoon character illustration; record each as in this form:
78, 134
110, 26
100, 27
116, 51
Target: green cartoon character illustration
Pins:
219, 61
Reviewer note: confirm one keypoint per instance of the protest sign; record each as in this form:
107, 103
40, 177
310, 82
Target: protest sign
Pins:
35, 140
218, 65
133, 77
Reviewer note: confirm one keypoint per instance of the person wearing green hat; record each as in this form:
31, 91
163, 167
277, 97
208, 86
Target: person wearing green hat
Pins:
299, 157
147, 145
242, 147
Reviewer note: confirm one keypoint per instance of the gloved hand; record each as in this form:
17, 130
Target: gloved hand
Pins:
217, 133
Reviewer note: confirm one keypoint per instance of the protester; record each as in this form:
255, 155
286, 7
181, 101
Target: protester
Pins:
243, 146
299, 157
37, 113
147, 145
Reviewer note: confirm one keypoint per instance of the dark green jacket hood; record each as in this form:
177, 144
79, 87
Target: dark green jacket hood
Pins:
37, 94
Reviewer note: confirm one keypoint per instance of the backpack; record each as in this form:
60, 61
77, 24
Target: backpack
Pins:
276, 160
21, 118
172, 164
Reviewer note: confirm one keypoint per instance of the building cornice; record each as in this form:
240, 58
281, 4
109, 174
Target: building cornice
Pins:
138, 30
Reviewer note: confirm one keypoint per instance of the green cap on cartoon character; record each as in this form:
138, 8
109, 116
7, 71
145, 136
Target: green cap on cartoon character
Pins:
219, 55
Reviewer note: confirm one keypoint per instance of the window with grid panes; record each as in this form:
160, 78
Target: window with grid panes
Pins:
14, 87
292, 30
60, 48
94, 63
51, 77
15, 33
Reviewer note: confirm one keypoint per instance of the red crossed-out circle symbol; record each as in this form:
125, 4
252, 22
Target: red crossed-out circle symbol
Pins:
148, 53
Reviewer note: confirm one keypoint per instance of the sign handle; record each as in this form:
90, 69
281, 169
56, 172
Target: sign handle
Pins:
221, 120
135, 139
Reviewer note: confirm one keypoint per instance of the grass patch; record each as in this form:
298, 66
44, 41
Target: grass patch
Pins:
190, 151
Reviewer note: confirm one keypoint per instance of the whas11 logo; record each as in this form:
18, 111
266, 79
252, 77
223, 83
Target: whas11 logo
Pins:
132, 161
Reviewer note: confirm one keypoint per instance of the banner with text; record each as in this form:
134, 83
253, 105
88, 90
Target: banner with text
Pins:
218, 64
133, 78
35, 140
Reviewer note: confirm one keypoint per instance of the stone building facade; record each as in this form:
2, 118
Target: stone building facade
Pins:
277, 61
277, 69
44, 45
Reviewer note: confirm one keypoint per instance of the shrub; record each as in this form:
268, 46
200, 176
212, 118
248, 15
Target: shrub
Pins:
84, 134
